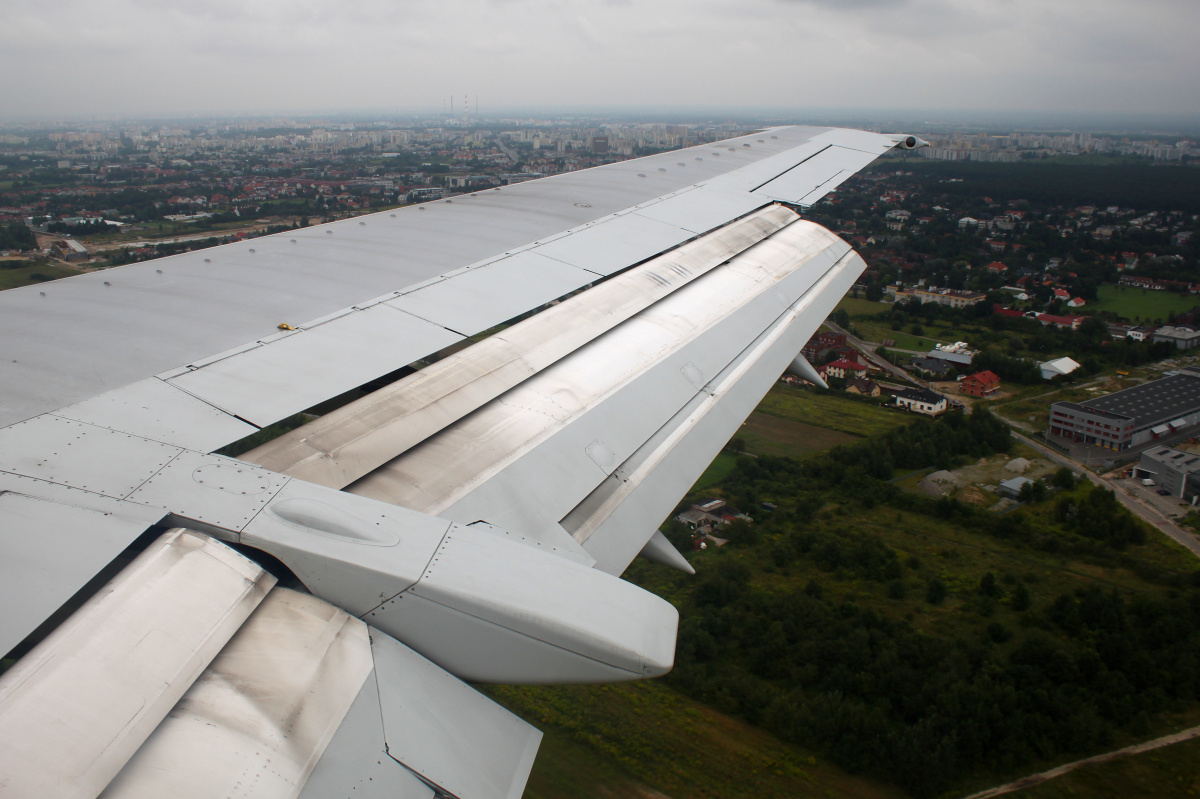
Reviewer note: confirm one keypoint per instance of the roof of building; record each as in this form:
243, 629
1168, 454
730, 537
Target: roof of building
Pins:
842, 363
1015, 483
1178, 460
985, 377
934, 365
921, 395
1162, 400
1064, 366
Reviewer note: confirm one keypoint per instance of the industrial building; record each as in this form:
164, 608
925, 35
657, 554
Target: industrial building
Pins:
1133, 417
1174, 470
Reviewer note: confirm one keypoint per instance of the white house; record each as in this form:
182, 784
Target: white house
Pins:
921, 400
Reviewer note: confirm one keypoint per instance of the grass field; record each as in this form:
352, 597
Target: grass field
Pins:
1133, 303
14, 278
858, 307
1167, 773
772, 435
643, 739
718, 470
829, 411
874, 331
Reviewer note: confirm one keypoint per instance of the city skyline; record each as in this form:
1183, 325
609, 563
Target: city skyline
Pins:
123, 58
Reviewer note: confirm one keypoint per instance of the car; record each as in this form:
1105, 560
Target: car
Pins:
1162, 492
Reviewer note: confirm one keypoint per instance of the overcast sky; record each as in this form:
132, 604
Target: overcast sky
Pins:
75, 58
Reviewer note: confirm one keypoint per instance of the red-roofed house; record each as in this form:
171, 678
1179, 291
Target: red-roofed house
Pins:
999, 310
841, 368
1060, 321
1062, 294
996, 267
1078, 302
980, 384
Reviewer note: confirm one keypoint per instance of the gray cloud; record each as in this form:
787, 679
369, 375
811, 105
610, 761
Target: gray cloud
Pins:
181, 56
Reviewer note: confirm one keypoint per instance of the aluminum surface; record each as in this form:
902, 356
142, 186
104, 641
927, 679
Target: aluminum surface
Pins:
76, 708
450, 734
702, 209
615, 243
528, 461
346, 444
78, 337
489, 609
153, 409
51, 550
485, 296
257, 720
82, 455
356, 762
268, 383
816, 176
212, 489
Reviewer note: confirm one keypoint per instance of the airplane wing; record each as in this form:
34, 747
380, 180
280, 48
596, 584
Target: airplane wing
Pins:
457, 506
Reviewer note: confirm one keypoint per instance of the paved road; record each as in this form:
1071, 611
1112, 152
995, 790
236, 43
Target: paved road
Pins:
1135, 504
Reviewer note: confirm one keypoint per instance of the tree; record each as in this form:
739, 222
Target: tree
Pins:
935, 593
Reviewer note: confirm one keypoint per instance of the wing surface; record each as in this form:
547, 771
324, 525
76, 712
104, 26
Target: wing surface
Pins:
466, 521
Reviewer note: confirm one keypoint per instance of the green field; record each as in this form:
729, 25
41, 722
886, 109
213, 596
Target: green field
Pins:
1134, 303
718, 470
830, 411
14, 278
772, 435
644, 740
877, 332
858, 307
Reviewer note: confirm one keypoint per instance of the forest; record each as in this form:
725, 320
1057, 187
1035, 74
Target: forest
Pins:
901, 668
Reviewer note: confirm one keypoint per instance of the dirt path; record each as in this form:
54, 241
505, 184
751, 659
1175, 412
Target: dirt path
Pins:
1034, 779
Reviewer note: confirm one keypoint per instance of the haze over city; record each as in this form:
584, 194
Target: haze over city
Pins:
122, 58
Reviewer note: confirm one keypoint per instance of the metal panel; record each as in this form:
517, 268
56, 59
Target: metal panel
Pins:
702, 210
213, 489
74, 338
528, 463
485, 296
349, 442
153, 409
81, 455
260, 716
615, 243
817, 176
268, 383
52, 550
77, 707
356, 763
452, 736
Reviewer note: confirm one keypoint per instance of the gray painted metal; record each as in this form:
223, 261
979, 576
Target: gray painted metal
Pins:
156, 410
490, 609
52, 550
81, 455
452, 736
613, 244
262, 712
76, 708
482, 297
269, 382
346, 444
82, 336
211, 489
821, 173
356, 763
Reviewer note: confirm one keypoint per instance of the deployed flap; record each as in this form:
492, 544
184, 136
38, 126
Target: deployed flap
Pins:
450, 735
356, 762
259, 718
75, 709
